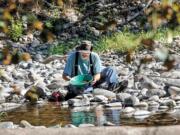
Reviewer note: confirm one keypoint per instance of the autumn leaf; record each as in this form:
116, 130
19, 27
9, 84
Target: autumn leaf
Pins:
25, 56
50, 36
38, 25
6, 15
146, 59
169, 63
6, 62
60, 3
129, 57
148, 43
12, 6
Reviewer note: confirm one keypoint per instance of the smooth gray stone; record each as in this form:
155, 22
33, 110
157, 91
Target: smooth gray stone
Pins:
100, 98
115, 104
158, 92
106, 93
170, 103
122, 96
141, 113
78, 102
2, 99
6, 125
168, 81
154, 98
86, 125
9, 106
174, 90
128, 110
70, 126
25, 124
131, 101
142, 105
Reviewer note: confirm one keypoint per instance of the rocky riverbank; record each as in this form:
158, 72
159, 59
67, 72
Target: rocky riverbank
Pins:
151, 88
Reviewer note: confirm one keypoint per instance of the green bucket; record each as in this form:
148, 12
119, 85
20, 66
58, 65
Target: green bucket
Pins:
81, 80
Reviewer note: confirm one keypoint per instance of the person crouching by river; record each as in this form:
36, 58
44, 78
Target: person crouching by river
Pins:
84, 61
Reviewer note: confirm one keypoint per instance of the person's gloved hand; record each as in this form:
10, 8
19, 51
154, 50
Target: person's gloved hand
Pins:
93, 82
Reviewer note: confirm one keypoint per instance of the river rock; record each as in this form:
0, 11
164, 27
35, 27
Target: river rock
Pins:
170, 103
106, 93
7, 125
122, 96
127, 112
154, 98
158, 92
9, 106
100, 98
70, 126
25, 124
174, 90
78, 102
131, 101
141, 113
86, 125
115, 104
142, 105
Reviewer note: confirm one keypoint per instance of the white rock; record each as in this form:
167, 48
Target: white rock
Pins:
115, 104
141, 113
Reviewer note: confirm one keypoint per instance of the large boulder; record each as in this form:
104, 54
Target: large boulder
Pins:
106, 93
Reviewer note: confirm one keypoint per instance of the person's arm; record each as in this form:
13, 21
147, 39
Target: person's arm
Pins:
67, 73
96, 68
96, 78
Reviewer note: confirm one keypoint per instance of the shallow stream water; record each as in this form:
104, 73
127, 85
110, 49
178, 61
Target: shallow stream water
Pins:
51, 114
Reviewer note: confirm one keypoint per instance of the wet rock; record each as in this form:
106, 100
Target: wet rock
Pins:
148, 83
170, 103
86, 125
174, 90
163, 108
144, 92
154, 98
127, 112
108, 123
5, 76
80, 109
115, 104
78, 102
122, 96
9, 106
55, 85
158, 92
142, 105
106, 93
70, 126
7, 125
131, 101
176, 98
25, 124
141, 113
100, 98
2, 99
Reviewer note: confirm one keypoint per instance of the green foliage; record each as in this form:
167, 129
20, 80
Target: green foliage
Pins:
49, 24
3, 115
121, 42
125, 41
16, 29
31, 18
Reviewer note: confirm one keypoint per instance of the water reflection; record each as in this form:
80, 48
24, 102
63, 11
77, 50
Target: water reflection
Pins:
82, 115
51, 114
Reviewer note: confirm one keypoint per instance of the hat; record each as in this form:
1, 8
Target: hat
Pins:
85, 45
